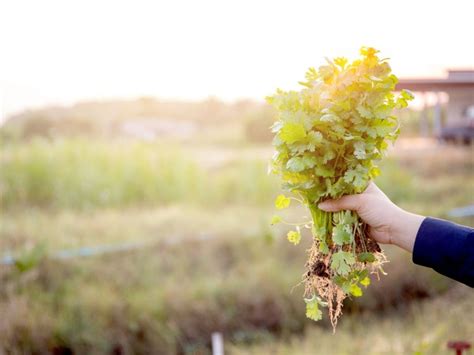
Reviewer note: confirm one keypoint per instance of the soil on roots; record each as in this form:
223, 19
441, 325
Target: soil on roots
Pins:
319, 277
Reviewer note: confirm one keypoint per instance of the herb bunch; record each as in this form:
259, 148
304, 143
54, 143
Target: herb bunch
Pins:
328, 138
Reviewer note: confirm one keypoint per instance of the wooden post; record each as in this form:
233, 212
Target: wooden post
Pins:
437, 116
217, 343
424, 118
459, 346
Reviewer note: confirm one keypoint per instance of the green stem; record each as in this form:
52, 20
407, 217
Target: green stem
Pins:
296, 224
296, 199
322, 219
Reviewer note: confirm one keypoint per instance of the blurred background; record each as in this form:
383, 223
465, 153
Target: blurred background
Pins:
135, 202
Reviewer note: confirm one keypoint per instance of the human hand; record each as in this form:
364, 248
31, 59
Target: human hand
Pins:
388, 223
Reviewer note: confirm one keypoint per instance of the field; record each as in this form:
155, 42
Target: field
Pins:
197, 253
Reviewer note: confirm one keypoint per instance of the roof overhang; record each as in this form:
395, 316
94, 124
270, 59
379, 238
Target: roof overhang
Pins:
457, 79
433, 84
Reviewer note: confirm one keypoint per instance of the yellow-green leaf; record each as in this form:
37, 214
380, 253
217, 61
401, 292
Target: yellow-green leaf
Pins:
355, 290
294, 237
276, 219
292, 132
282, 202
365, 281
312, 309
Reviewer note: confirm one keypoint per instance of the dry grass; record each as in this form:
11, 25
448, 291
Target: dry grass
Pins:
422, 328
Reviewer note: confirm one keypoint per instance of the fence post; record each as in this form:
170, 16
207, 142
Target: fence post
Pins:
217, 343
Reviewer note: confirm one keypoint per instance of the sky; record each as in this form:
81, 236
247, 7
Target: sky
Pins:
61, 52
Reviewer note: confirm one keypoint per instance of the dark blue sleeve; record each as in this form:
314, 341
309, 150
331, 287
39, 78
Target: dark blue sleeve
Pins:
447, 248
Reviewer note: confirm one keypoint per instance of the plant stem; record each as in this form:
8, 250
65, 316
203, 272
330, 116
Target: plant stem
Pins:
322, 219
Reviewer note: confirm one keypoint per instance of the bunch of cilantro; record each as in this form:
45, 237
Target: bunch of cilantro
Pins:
328, 138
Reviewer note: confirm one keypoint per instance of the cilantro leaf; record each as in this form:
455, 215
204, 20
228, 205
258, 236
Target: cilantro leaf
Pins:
366, 257
340, 234
275, 220
364, 111
292, 132
341, 262
365, 281
355, 290
282, 202
294, 237
295, 164
312, 309
359, 150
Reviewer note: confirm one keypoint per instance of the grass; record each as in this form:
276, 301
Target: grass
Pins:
169, 297
172, 297
77, 174
422, 328
66, 229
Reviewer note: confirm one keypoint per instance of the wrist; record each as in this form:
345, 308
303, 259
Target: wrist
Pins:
405, 228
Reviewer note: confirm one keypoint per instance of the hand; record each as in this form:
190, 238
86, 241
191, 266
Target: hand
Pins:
388, 223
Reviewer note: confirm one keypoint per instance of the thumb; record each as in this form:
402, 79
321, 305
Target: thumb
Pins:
350, 202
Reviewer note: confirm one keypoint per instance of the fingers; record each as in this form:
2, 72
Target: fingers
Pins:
350, 202
373, 189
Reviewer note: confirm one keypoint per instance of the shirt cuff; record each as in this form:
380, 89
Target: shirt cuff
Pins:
438, 243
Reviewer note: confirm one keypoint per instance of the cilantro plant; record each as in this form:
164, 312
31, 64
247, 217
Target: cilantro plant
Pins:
328, 137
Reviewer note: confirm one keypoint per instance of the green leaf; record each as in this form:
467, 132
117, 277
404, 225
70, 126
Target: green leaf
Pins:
355, 290
358, 177
282, 202
365, 281
298, 164
326, 71
340, 61
371, 131
320, 234
294, 237
323, 247
324, 170
374, 78
329, 117
403, 98
292, 132
276, 127
374, 172
364, 111
275, 220
344, 284
329, 154
315, 137
383, 127
349, 218
309, 161
407, 94
350, 175
312, 309
359, 150
311, 74
341, 235
295, 164
366, 257
382, 111
360, 182
341, 262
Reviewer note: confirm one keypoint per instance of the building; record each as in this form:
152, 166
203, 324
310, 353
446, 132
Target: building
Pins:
459, 86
